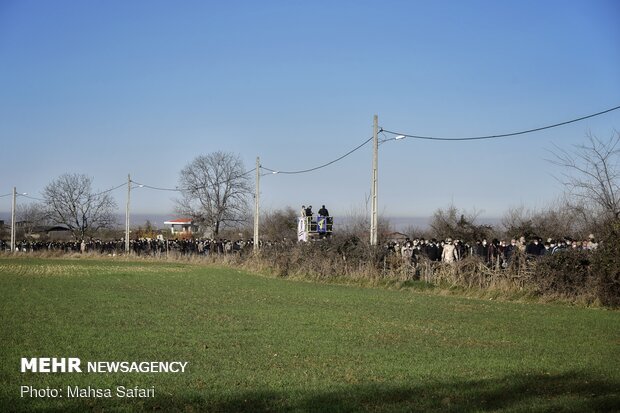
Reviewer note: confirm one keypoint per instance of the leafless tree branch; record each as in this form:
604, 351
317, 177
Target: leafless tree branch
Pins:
215, 190
70, 201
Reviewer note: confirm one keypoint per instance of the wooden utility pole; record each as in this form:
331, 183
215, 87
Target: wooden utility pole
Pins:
127, 214
256, 205
13, 220
375, 186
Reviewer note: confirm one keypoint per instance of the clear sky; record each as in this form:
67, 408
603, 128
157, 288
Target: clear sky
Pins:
108, 88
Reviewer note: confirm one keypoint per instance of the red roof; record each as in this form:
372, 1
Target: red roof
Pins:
179, 221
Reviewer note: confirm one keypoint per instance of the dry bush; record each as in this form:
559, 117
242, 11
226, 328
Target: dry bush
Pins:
557, 220
606, 266
566, 275
585, 277
470, 272
339, 257
459, 224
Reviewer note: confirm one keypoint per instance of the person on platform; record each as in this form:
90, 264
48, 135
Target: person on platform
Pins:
323, 212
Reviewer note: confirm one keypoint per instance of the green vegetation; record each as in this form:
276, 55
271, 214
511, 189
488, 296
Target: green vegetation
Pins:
266, 344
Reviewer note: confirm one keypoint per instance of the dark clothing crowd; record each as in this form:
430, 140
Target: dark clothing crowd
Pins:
140, 247
492, 253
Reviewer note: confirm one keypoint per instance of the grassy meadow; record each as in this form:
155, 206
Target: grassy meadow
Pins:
260, 344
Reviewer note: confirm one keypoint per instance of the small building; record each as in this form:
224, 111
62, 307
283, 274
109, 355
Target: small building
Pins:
59, 233
23, 224
397, 237
182, 226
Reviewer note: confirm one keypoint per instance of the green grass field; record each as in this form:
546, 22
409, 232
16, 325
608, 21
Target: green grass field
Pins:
263, 344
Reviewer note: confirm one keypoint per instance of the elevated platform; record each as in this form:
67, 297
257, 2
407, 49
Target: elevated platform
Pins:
314, 227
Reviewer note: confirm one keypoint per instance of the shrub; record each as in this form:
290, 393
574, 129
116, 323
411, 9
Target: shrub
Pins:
606, 266
565, 274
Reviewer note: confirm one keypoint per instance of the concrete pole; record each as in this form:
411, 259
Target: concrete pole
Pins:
256, 205
13, 220
375, 186
127, 214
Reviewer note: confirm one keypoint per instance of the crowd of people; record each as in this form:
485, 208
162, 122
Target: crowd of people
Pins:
140, 247
494, 252
412, 251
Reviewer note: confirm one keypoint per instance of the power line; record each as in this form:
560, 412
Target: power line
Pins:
404, 135
140, 185
23, 195
247, 172
177, 189
111, 189
383, 131
505, 135
41, 199
320, 166
31, 197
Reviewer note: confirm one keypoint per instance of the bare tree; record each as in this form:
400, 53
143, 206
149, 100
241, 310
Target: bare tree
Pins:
70, 201
356, 222
215, 189
557, 220
458, 224
592, 173
279, 225
31, 216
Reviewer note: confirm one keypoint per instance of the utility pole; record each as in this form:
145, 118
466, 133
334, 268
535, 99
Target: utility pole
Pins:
256, 205
13, 220
375, 186
127, 214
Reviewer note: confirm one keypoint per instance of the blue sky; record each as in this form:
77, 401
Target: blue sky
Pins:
108, 88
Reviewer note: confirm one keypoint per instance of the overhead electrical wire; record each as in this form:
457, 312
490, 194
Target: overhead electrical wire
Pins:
24, 195
41, 199
320, 166
247, 172
31, 197
177, 189
504, 135
470, 138
398, 135
140, 185
111, 189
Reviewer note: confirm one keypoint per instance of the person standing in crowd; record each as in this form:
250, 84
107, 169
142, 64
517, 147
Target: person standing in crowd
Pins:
449, 252
485, 251
535, 248
432, 250
459, 250
476, 250
495, 252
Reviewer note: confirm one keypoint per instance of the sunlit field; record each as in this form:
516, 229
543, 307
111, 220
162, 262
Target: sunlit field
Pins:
257, 344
